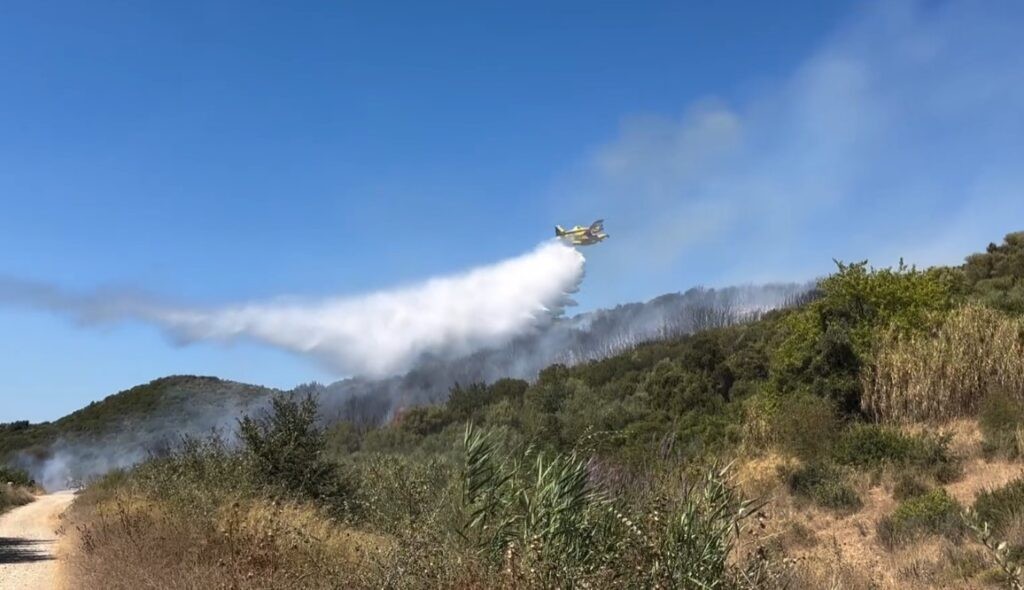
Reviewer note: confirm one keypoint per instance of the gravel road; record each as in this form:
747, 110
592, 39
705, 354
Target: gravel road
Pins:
27, 544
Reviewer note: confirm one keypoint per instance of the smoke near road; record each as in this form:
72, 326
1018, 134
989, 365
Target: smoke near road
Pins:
377, 334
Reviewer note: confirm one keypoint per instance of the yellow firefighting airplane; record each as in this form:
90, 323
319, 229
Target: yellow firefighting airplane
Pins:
582, 236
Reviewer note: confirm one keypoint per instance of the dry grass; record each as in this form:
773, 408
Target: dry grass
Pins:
823, 548
128, 541
12, 496
945, 375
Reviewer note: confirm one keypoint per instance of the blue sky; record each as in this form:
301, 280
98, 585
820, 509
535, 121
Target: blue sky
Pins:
220, 152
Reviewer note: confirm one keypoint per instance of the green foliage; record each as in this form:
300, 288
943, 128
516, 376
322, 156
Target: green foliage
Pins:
872, 446
464, 402
399, 493
425, 420
698, 536
932, 513
1000, 506
1001, 418
824, 484
862, 300
999, 552
804, 425
287, 450
825, 345
175, 399
677, 390
547, 524
546, 513
596, 475
908, 485
14, 476
198, 467
15, 487
996, 277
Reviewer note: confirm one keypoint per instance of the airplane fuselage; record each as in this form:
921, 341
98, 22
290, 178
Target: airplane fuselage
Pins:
582, 236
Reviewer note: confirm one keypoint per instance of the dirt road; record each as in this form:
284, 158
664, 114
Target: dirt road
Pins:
27, 543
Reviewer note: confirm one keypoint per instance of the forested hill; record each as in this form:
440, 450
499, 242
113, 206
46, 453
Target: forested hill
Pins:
125, 426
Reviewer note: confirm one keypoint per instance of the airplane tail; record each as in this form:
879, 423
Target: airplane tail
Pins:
559, 231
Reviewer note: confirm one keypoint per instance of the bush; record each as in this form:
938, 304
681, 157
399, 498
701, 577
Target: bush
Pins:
546, 524
908, 486
15, 476
804, 425
287, 451
826, 344
464, 402
824, 484
872, 446
1002, 424
11, 496
998, 507
398, 493
933, 513
996, 277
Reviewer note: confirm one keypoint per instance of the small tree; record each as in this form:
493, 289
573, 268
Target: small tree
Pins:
287, 450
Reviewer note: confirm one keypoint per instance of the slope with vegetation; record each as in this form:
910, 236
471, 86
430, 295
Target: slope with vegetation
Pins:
869, 436
122, 428
16, 488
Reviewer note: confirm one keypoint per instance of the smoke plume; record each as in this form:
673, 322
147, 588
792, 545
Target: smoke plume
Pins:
377, 334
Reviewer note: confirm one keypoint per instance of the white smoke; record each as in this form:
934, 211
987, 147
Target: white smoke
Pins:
375, 334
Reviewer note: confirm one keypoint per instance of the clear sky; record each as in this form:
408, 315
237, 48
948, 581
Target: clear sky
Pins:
218, 152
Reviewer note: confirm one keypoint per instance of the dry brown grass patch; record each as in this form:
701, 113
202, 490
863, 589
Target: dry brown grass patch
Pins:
12, 496
759, 476
126, 541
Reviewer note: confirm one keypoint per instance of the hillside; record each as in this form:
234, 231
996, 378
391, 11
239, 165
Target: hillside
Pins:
871, 435
122, 428
126, 426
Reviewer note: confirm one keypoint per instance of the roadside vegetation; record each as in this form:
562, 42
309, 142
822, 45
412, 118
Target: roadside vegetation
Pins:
16, 488
868, 436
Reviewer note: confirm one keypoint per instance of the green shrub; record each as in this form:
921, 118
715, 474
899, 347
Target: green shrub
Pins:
825, 345
545, 522
1001, 418
907, 486
15, 476
872, 446
287, 451
804, 425
996, 276
197, 469
933, 513
824, 484
399, 493
464, 402
998, 507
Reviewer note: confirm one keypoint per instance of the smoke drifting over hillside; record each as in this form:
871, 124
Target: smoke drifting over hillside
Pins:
566, 340
193, 406
378, 334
